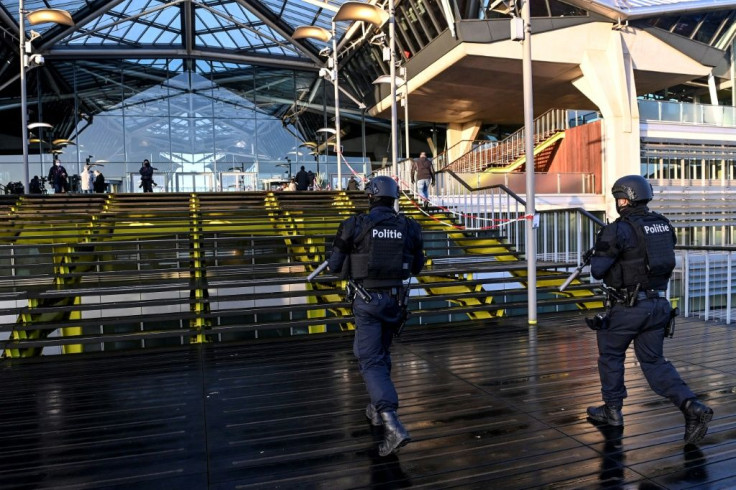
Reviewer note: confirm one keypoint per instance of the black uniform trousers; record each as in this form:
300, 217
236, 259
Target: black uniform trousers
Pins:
644, 325
374, 330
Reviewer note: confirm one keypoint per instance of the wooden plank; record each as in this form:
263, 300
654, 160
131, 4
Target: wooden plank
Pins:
500, 405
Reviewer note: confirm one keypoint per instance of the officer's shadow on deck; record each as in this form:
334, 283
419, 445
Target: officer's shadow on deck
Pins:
386, 471
695, 466
612, 459
612, 475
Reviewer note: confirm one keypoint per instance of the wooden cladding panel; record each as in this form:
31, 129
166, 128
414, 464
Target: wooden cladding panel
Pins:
581, 152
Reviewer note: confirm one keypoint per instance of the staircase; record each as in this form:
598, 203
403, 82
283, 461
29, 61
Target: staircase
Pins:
132, 271
508, 155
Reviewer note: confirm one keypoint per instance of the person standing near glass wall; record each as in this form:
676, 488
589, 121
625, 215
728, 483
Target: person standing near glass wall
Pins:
147, 176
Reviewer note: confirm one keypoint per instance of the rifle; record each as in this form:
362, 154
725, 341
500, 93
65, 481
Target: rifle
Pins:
586, 260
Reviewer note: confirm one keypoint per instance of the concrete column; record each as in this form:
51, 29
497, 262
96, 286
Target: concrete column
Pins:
712, 89
733, 73
460, 137
608, 81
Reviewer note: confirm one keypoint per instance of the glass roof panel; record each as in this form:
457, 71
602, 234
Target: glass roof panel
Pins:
637, 9
300, 12
229, 38
132, 23
229, 25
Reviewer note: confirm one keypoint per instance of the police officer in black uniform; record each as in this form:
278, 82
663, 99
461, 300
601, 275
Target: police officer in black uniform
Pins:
377, 251
635, 257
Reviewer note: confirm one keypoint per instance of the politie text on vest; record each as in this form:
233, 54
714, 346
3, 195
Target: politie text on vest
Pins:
656, 228
391, 234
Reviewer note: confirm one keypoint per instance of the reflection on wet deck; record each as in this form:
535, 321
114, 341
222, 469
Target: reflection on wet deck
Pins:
501, 406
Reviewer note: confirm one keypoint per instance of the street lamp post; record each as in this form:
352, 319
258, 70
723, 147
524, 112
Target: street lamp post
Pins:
326, 132
25, 49
334, 74
531, 241
40, 126
23, 95
396, 82
405, 101
348, 11
392, 74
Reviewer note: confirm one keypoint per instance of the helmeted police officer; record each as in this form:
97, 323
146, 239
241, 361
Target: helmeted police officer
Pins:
377, 251
635, 257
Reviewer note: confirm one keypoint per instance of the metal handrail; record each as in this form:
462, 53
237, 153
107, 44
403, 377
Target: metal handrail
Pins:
497, 207
702, 281
484, 153
684, 113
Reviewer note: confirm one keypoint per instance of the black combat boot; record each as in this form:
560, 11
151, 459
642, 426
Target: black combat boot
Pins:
697, 418
608, 414
372, 415
394, 434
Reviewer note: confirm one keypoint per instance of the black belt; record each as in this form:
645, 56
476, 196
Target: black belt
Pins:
391, 291
651, 294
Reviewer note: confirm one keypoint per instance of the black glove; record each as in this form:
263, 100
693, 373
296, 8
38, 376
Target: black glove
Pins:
588, 254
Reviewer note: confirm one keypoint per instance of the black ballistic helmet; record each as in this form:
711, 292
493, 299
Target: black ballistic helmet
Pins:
635, 188
382, 186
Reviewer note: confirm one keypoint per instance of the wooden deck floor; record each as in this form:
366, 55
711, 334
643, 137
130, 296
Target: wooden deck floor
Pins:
499, 407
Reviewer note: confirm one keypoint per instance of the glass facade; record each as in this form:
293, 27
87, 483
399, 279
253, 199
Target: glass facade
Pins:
206, 88
192, 126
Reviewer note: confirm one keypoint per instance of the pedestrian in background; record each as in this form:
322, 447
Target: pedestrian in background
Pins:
100, 186
146, 176
58, 177
86, 179
422, 173
302, 180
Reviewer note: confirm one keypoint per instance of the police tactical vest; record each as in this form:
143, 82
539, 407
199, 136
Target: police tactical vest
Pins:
652, 261
379, 258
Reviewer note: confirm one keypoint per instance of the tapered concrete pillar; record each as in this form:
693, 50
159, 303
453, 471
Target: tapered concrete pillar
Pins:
608, 81
460, 138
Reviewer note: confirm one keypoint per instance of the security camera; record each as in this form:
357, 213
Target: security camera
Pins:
36, 60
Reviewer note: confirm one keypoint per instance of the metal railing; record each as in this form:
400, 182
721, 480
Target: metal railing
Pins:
701, 284
545, 182
470, 149
477, 155
703, 280
195, 182
563, 234
683, 113
450, 183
